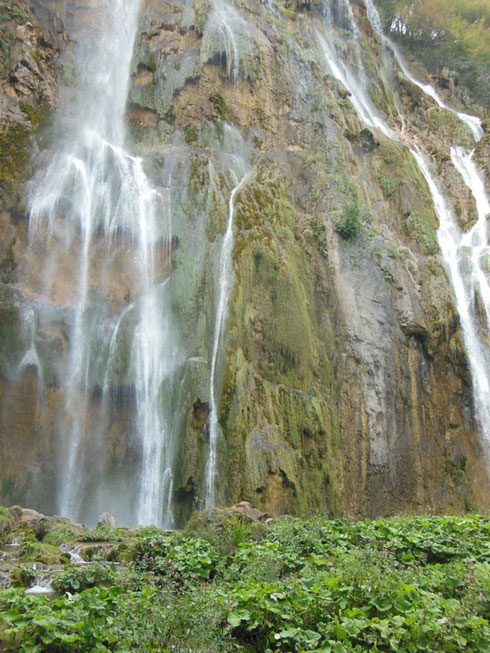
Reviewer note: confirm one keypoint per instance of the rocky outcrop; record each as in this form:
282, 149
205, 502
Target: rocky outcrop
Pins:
345, 385
41, 525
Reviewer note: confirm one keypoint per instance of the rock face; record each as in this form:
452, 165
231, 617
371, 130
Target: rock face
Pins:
344, 381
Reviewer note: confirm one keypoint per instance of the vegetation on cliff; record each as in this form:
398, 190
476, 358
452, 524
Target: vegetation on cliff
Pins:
225, 584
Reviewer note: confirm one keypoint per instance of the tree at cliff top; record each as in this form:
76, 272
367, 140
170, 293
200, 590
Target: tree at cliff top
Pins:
446, 33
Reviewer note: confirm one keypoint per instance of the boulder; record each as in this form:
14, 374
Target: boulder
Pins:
41, 524
252, 514
106, 519
25, 516
47, 524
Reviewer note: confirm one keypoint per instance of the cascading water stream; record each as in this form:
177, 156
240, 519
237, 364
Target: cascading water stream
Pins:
95, 205
360, 99
472, 122
225, 285
464, 274
474, 244
229, 34
223, 23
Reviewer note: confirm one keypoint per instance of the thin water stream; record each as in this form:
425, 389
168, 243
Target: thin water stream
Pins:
225, 285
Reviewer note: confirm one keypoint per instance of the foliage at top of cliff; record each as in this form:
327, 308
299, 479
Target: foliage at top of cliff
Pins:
446, 33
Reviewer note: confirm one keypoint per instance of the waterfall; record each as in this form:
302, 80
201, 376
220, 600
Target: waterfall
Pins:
467, 256
361, 101
225, 285
224, 31
31, 358
106, 236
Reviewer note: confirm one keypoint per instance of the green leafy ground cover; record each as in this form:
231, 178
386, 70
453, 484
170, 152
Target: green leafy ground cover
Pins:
402, 584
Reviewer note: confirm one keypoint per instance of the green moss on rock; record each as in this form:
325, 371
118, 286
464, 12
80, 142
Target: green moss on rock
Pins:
277, 412
14, 154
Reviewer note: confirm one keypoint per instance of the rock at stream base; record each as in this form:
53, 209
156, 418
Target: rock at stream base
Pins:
251, 514
106, 519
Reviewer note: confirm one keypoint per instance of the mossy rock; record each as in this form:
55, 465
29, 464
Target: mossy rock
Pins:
36, 551
10, 329
14, 155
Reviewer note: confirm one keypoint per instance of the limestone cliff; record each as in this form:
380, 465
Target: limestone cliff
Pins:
344, 381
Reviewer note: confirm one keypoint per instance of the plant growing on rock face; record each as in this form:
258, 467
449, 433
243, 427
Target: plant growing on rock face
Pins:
6, 521
350, 223
388, 186
191, 135
220, 106
315, 231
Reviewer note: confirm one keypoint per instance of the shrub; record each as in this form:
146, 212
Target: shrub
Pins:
40, 551
77, 579
100, 534
350, 223
58, 536
183, 558
401, 584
